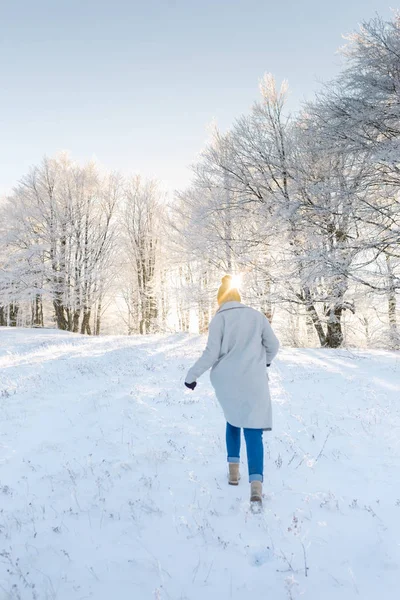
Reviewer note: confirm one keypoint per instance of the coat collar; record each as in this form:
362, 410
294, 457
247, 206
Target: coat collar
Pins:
230, 305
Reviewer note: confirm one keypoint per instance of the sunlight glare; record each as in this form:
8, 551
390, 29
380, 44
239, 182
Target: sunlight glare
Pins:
236, 281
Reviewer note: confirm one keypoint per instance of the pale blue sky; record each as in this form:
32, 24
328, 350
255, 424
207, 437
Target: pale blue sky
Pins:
135, 84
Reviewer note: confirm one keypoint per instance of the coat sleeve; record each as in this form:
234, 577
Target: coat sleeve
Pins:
211, 353
269, 341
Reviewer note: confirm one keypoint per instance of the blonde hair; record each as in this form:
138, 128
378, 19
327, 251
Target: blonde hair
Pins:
227, 293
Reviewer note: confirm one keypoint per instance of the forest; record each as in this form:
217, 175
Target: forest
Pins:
304, 208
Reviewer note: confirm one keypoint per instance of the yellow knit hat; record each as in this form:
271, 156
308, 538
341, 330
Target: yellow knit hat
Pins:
227, 293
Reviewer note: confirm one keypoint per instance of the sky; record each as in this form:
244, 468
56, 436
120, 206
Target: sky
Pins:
135, 85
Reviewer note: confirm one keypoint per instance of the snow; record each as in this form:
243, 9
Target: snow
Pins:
113, 476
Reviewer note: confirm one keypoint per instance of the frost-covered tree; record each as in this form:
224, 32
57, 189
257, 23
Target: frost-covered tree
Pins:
60, 239
140, 222
360, 113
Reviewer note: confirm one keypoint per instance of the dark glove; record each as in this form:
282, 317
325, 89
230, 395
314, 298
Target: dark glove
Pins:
191, 386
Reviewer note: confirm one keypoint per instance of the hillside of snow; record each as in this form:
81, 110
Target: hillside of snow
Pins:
113, 475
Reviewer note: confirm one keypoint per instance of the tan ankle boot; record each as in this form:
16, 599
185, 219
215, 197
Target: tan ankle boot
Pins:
256, 492
234, 474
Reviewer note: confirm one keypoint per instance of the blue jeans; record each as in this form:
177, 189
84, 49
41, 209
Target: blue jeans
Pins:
255, 449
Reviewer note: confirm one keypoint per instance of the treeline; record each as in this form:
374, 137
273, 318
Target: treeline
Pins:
309, 204
68, 233
305, 206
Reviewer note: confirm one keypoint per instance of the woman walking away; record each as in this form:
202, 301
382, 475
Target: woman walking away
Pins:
240, 347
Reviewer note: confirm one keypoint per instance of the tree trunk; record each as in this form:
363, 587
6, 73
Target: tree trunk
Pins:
69, 318
334, 333
13, 314
142, 328
60, 313
311, 311
394, 337
2, 316
164, 300
365, 322
184, 318
153, 314
203, 305
151, 294
85, 327
37, 311
75, 321
204, 319
61, 279
310, 330
98, 317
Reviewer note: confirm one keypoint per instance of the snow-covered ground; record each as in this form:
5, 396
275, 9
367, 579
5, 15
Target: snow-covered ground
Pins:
113, 476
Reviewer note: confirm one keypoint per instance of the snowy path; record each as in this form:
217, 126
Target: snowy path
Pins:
113, 477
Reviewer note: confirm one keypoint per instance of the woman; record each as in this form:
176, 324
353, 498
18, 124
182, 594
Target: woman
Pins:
240, 347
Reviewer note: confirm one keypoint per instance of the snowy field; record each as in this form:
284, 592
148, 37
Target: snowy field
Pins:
113, 476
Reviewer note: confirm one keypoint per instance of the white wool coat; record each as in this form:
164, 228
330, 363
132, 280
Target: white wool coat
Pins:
240, 345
